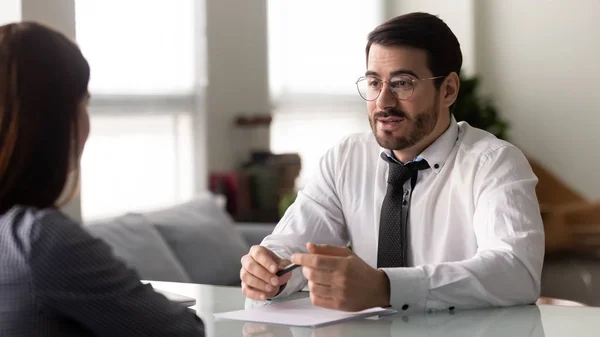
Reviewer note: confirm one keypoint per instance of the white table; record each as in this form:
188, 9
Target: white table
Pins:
531, 320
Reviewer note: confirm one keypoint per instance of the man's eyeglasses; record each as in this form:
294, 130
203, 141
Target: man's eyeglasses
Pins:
401, 86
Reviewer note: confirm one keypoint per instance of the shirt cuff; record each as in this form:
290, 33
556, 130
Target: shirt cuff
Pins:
408, 289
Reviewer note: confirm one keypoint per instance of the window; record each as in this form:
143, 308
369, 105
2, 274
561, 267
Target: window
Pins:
311, 133
138, 47
316, 53
140, 152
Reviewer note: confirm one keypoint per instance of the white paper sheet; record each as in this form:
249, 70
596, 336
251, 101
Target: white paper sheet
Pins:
299, 312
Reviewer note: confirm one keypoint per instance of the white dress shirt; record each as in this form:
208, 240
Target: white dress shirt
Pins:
476, 237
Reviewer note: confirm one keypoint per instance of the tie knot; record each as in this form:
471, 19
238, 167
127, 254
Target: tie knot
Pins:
399, 173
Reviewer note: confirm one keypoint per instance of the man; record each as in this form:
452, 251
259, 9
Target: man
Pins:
439, 215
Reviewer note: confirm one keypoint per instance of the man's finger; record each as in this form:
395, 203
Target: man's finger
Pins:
321, 290
255, 282
264, 257
256, 269
318, 275
328, 250
283, 263
253, 293
317, 261
323, 302
254, 328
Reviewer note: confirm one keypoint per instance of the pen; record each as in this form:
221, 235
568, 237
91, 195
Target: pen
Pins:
287, 269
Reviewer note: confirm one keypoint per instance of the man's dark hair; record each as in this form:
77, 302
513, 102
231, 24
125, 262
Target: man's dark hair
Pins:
422, 31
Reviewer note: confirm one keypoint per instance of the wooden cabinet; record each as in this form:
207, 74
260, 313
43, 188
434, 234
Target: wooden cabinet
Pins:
571, 223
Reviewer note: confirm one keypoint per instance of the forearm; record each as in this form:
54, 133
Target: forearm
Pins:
492, 278
307, 220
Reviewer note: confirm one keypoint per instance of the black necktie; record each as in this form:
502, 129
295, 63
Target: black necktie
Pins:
392, 246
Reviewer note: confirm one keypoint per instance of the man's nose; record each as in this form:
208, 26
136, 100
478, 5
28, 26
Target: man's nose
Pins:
386, 99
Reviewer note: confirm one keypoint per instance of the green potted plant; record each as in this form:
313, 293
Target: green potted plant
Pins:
477, 110
286, 201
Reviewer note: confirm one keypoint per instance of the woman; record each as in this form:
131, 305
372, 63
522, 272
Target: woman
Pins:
56, 279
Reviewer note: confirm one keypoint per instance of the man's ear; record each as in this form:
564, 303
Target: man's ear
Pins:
449, 89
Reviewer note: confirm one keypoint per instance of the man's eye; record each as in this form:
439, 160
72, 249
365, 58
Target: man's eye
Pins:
402, 84
374, 83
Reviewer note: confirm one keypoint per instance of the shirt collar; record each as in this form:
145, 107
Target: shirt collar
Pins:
437, 153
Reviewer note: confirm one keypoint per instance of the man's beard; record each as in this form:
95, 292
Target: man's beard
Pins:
422, 125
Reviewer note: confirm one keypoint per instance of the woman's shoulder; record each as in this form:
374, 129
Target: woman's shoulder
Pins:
28, 225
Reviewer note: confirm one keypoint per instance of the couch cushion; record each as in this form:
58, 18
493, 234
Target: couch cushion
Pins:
203, 237
139, 245
254, 233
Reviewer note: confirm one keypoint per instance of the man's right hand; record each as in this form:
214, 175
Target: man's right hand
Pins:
259, 266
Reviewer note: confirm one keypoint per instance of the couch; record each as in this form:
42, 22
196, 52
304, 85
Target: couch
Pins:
196, 242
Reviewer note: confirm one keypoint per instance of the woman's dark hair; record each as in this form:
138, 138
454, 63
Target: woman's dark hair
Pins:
422, 31
43, 80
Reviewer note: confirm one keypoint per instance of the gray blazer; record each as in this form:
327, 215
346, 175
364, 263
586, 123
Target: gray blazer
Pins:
58, 280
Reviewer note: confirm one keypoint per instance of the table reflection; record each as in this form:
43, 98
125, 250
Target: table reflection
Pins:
521, 321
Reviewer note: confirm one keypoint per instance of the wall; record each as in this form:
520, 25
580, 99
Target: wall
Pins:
540, 64
457, 14
237, 75
59, 14
10, 11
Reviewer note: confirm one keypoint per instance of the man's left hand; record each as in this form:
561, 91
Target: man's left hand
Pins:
338, 279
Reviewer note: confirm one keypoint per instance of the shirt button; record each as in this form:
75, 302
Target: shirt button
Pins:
436, 166
404, 307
